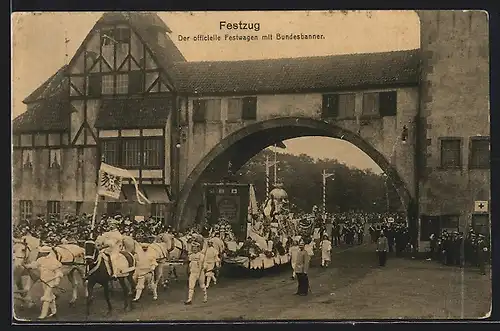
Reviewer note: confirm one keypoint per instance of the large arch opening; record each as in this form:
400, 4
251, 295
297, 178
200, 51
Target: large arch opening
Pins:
239, 147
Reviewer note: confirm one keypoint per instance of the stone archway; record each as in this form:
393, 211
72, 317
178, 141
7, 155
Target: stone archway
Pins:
248, 141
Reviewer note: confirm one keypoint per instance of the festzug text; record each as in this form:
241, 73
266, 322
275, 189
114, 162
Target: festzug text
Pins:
239, 26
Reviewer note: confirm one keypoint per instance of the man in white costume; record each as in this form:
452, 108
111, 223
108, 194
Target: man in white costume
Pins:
212, 261
326, 248
196, 273
50, 276
294, 250
112, 244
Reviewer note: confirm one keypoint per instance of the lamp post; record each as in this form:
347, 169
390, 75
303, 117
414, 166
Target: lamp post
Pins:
325, 177
269, 165
275, 164
386, 192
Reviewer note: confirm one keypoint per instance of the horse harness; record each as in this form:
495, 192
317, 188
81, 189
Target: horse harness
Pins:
164, 256
59, 256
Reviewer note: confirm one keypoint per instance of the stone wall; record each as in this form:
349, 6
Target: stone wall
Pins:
454, 103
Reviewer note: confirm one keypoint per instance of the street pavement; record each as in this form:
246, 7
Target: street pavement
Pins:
353, 287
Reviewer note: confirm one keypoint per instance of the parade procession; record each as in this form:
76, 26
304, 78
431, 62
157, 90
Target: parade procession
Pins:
117, 249
161, 173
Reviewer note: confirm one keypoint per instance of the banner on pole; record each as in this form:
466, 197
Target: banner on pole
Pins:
110, 183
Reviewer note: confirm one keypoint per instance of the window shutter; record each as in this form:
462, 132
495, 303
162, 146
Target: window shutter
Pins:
199, 107
249, 108
94, 88
135, 82
330, 105
388, 103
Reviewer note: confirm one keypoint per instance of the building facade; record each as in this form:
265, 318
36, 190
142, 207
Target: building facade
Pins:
129, 97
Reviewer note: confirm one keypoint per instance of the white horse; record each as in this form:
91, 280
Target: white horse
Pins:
71, 256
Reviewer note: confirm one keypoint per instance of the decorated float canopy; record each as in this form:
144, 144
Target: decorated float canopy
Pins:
278, 192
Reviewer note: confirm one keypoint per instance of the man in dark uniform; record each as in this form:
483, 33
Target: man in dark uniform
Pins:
482, 252
336, 233
361, 233
382, 248
301, 269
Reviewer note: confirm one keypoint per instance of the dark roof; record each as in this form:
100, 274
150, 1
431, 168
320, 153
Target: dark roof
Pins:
298, 74
165, 53
49, 88
47, 115
324, 73
133, 113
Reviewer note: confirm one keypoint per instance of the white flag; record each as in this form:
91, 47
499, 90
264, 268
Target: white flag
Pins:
480, 206
110, 183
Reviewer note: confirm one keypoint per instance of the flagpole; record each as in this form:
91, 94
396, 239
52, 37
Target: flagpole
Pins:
92, 225
96, 202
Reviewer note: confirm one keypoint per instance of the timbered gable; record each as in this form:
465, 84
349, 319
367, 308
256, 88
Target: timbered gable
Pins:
113, 61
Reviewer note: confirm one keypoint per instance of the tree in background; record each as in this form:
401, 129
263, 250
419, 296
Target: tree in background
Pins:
351, 188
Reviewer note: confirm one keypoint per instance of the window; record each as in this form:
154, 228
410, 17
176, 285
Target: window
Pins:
152, 153
450, 153
122, 84
110, 152
107, 37
54, 209
131, 153
135, 82
206, 110
249, 108
370, 104
479, 153
94, 88
199, 111
158, 212
213, 110
107, 84
449, 222
111, 36
134, 152
26, 140
388, 103
26, 209
27, 159
481, 223
346, 105
113, 208
54, 158
234, 109
330, 105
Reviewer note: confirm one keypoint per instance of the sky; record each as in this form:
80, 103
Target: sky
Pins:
39, 49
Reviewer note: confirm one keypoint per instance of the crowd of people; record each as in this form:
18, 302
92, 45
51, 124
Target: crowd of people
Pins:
458, 249
76, 229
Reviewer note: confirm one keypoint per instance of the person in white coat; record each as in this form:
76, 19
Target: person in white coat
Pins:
212, 261
196, 273
326, 249
294, 250
50, 276
112, 244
